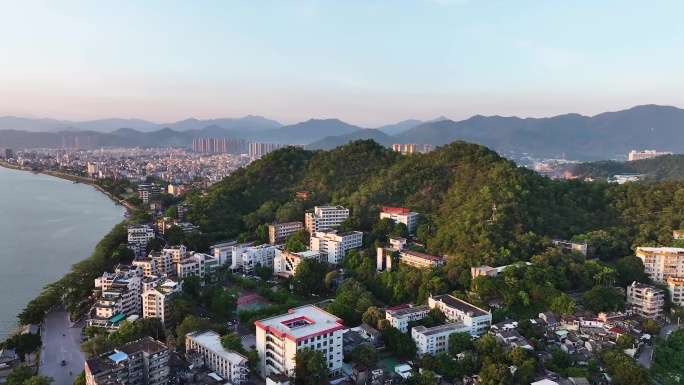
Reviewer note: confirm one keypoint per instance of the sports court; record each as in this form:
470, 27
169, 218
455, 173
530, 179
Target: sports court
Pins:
251, 302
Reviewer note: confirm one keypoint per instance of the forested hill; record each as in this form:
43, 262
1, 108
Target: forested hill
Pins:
474, 204
666, 166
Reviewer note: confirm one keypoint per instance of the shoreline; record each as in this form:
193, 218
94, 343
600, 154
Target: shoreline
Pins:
72, 178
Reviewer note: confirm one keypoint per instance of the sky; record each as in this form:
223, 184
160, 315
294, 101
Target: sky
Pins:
366, 62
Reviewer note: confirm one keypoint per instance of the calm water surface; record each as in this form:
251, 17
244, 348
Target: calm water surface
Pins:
46, 225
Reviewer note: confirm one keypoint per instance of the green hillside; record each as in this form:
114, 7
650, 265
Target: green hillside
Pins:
455, 188
662, 167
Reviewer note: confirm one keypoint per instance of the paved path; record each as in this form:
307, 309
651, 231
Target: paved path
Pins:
60, 347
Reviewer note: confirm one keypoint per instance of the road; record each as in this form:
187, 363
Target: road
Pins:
61, 343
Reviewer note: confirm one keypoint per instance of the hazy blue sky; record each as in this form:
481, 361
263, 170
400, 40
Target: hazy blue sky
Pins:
367, 62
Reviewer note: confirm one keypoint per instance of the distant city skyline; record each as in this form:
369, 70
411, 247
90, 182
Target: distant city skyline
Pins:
368, 63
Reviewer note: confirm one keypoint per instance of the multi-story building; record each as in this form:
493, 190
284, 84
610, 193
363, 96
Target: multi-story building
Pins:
335, 245
285, 263
228, 364
435, 340
456, 310
325, 217
245, 257
569, 245
198, 264
660, 263
279, 231
386, 256
401, 215
278, 339
141, 362
646, 154
118, 295
148, 265
139, 235
93, 168
177, 252
678, 234
400, 316
477, 271
6, 153
222, 251
146, 191
155, 300
163, 262
646, 300
676, 287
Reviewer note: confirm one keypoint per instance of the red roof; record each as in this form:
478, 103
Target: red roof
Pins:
617, 331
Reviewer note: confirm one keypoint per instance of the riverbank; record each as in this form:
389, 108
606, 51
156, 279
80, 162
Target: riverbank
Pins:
72, 178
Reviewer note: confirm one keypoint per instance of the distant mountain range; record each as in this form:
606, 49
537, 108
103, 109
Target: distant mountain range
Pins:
603, 136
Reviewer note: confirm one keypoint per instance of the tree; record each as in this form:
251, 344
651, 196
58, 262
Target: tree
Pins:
153, 244
625, 341
189, 325
294, 246
80, 379
19, 375
192, 285
301, 236
39, 380
488, 346
224, 303
178, 308
290, 211
525, 372
24, 343
603, 298
650, 326
434, 317
529, 330
426, 377
383, 324
331, 279
174, 235
263, 272
562, 304
485, 286
97, 345
171, 212
261, 234
196, 241
460, 342
495, 374
365, 355
560, 360
372, 316
232, 341
311, 367
630, 269
309, 276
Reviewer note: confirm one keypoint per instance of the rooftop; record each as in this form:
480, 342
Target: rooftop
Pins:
101, 364
212, 341
147, 344
668, 250
450, 327
421, 255
460, 305
405, 312
301, 323
296, 223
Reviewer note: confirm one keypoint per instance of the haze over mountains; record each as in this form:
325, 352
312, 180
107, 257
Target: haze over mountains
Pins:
602, 136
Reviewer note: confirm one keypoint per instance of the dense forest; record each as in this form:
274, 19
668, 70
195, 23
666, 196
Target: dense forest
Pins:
475, 205
662, 167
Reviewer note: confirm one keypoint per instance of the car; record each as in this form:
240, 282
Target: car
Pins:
63, 363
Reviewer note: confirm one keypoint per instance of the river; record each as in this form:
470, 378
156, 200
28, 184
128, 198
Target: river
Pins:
46, 225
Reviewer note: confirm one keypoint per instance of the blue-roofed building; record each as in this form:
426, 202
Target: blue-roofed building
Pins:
141, 362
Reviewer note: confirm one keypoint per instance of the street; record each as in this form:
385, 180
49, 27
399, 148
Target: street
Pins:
61, 343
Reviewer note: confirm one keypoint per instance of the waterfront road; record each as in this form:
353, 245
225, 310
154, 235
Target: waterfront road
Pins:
61, 343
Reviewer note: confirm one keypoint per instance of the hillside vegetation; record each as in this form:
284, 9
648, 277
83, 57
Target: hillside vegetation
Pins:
662, 167
475, 205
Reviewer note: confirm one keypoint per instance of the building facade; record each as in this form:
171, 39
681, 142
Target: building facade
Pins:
456, 310
226, 363
141, 362
285, 263
335, 245
387, 256
245, 257
400, 316
325, 217
660, 263
435, 340
140, 234
155, 300
278, 339
646, 300
676, 287
568, 245
280, 231
646, 154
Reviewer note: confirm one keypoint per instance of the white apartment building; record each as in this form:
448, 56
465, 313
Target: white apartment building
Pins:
325, 217
228, 364
245, 257
408, 257
335, 244
435, 340
646, 154
661, 263
676, 287
118, 295
222, 251
139, 235
177, 252
456, 310
155, 300
279, 338
646, 300
198, 264
569, 245
285, 263
400, 316
148, 265
399, 215
280, 231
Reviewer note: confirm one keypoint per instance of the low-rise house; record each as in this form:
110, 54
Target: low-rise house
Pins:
579, 359
549, 318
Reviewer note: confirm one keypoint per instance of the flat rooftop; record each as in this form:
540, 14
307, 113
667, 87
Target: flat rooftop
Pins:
212, 341
301, 323
668, 250
450, 327
460, 305
287, 224
148, 345
421, 255
405, 312
101, 364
